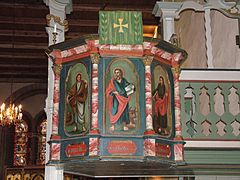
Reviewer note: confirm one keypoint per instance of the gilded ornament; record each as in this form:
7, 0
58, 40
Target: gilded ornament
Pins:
147, 60
57, 69
95, 58
57, 19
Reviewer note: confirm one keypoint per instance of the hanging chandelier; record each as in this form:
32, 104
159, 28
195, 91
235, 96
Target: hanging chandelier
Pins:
11, 114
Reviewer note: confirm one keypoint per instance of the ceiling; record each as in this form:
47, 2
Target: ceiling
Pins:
23, 38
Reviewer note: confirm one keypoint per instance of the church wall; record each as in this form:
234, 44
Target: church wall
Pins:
190, 30
226, 54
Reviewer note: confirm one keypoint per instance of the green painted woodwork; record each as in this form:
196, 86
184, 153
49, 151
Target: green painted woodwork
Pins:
208, 156
193, 120
120, 27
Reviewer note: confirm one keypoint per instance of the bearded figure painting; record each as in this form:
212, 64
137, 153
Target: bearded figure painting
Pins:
121, 99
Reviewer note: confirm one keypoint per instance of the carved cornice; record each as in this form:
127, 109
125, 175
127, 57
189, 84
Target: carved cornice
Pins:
57, 19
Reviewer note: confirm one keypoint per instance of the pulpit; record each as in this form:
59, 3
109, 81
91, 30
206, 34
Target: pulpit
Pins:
116, 100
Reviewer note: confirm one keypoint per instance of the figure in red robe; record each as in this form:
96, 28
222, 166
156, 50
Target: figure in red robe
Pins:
118, 92
160, 96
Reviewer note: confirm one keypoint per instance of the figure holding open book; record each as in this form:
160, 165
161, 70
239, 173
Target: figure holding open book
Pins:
118, 95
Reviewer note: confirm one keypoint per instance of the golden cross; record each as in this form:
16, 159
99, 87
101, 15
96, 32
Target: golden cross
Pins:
120, 25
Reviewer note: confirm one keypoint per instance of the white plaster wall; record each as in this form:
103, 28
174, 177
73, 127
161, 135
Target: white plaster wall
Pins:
226, 54
190, 29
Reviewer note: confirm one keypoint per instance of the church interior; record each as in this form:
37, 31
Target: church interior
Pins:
191, 46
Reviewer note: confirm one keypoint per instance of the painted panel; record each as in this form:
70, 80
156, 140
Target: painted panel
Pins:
121, 97
75, 148
79, 149
161, 92
121, 147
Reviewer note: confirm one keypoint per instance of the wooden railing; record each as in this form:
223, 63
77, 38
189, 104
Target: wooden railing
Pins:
210, 104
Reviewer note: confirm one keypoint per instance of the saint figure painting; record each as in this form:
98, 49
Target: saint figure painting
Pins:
121, 99
161, 110
76, 100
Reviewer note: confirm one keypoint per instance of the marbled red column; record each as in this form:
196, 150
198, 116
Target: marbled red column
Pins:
178, 126
95, 60
178, 147
56, 97
148, 93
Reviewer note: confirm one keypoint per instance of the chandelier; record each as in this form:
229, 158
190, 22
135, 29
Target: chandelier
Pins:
11, 114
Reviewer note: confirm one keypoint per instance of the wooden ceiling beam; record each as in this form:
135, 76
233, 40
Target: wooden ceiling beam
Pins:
20, 57
30, 70
25, 66
23, 33
22, 20
23, 79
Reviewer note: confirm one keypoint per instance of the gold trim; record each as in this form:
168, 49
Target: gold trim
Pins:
57, 19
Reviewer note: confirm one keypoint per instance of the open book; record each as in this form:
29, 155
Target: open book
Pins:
130, 89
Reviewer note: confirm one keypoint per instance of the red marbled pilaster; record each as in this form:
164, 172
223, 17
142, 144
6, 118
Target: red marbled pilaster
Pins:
148, 95
56, 97
178, 127
95, 61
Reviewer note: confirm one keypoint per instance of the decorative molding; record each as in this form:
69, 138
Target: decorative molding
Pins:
212, 144
173, 9
60, 4
210, 75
